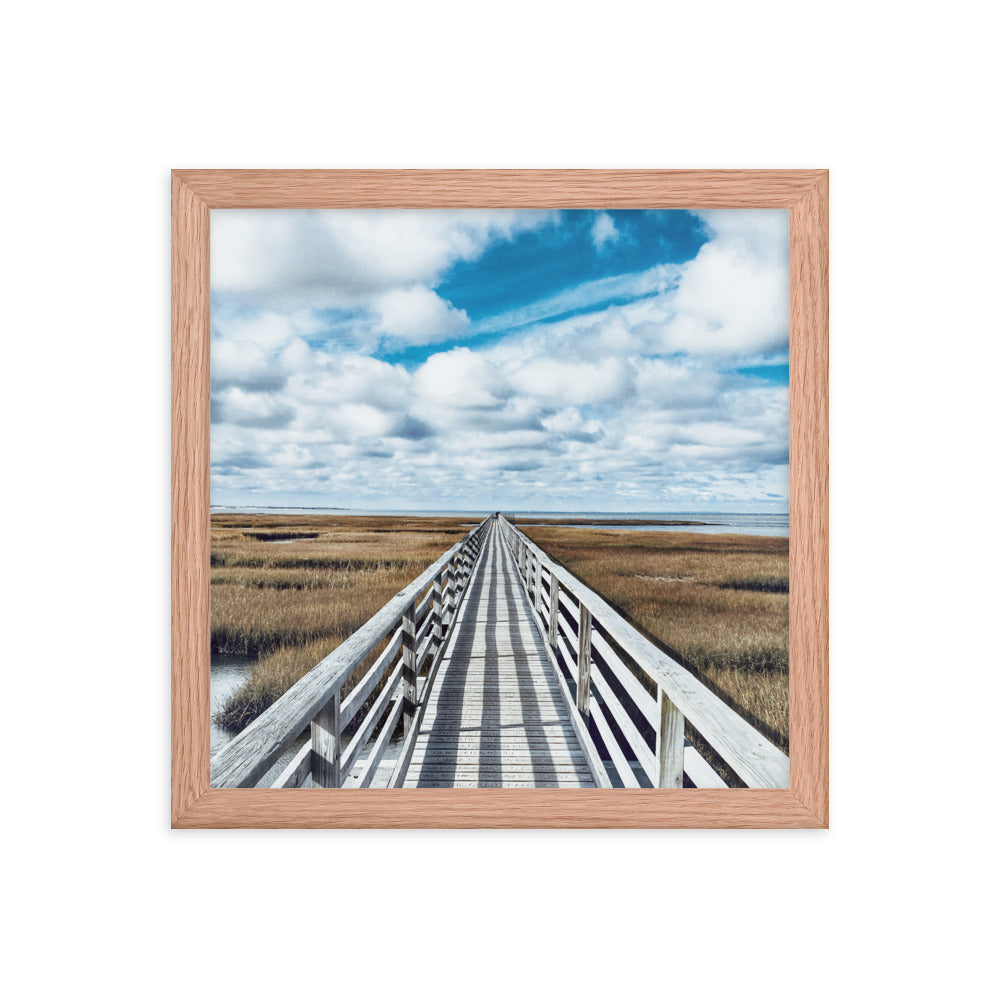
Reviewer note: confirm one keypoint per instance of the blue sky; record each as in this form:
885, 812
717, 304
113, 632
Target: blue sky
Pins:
565, 360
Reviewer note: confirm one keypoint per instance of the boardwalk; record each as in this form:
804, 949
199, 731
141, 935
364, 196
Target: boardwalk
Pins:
498, 668
495, 717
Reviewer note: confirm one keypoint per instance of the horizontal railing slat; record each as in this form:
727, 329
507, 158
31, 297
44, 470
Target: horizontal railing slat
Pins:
370, 766
375, 713
640, 697
617, 711
353, 702
298, 769
622, 766
701, 773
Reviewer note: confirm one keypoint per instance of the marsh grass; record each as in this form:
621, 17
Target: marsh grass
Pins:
717, 603
291, 605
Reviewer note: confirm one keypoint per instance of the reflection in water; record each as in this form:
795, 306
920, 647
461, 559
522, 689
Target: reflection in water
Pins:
228, 672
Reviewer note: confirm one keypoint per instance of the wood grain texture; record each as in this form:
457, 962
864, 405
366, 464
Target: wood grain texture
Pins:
404, 808
499, 188
189, 499
495, 716
195, 805
809, 526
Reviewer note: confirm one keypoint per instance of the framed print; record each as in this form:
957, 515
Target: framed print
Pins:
499, 498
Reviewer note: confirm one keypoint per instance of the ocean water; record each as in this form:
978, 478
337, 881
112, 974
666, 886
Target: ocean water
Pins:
714, 522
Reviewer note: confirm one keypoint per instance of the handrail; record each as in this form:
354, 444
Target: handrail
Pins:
595, 666
316, 699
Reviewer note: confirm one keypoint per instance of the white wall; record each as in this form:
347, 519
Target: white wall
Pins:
103, 100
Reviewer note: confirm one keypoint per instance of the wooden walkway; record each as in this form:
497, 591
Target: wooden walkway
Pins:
496, 717
497, 668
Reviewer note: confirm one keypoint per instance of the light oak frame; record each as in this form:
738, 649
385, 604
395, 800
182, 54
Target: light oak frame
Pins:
805, 194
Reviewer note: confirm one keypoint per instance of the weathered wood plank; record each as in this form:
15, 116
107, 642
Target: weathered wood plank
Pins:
643, 700
496, 713
583, 663
399, 773
553, 610
408, 659
670, 745
618, 758
296, 772
369, 768
372, 719
364, 687
701, 773
324, 737
614, 707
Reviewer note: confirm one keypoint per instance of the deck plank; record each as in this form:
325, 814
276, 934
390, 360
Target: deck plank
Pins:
496, 717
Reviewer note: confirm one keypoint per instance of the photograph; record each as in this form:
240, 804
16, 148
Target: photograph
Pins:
499, 498
498, 457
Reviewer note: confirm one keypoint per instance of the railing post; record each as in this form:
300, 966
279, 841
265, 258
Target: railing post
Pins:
409, 660
583, 662
449, 593
553, 611
539, 606
437, 609
670, 745
324, 734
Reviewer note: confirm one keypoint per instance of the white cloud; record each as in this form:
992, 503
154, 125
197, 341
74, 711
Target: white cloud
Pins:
250, 409
418, 316
676, 386
733, 297
730, 300
268, 329
603, 231
627, 401
339, 258
460, 379
244, 364
551, 379
586, 295
570, 424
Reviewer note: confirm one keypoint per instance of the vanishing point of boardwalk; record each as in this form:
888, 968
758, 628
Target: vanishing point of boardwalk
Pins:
496, 717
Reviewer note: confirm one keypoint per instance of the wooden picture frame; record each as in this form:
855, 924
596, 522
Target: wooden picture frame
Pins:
805, 802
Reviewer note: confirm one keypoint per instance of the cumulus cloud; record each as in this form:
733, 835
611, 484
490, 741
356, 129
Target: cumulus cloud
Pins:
334, 258
246, 365
733, 297
578, 383
603, 231
418, 316
359, 279
234, 405
623, 390
570, 424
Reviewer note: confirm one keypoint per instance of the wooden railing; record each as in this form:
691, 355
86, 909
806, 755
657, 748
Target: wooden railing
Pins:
346, 726
633, 697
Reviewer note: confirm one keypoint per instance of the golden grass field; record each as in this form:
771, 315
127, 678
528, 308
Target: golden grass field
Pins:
291, 603
718, 603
